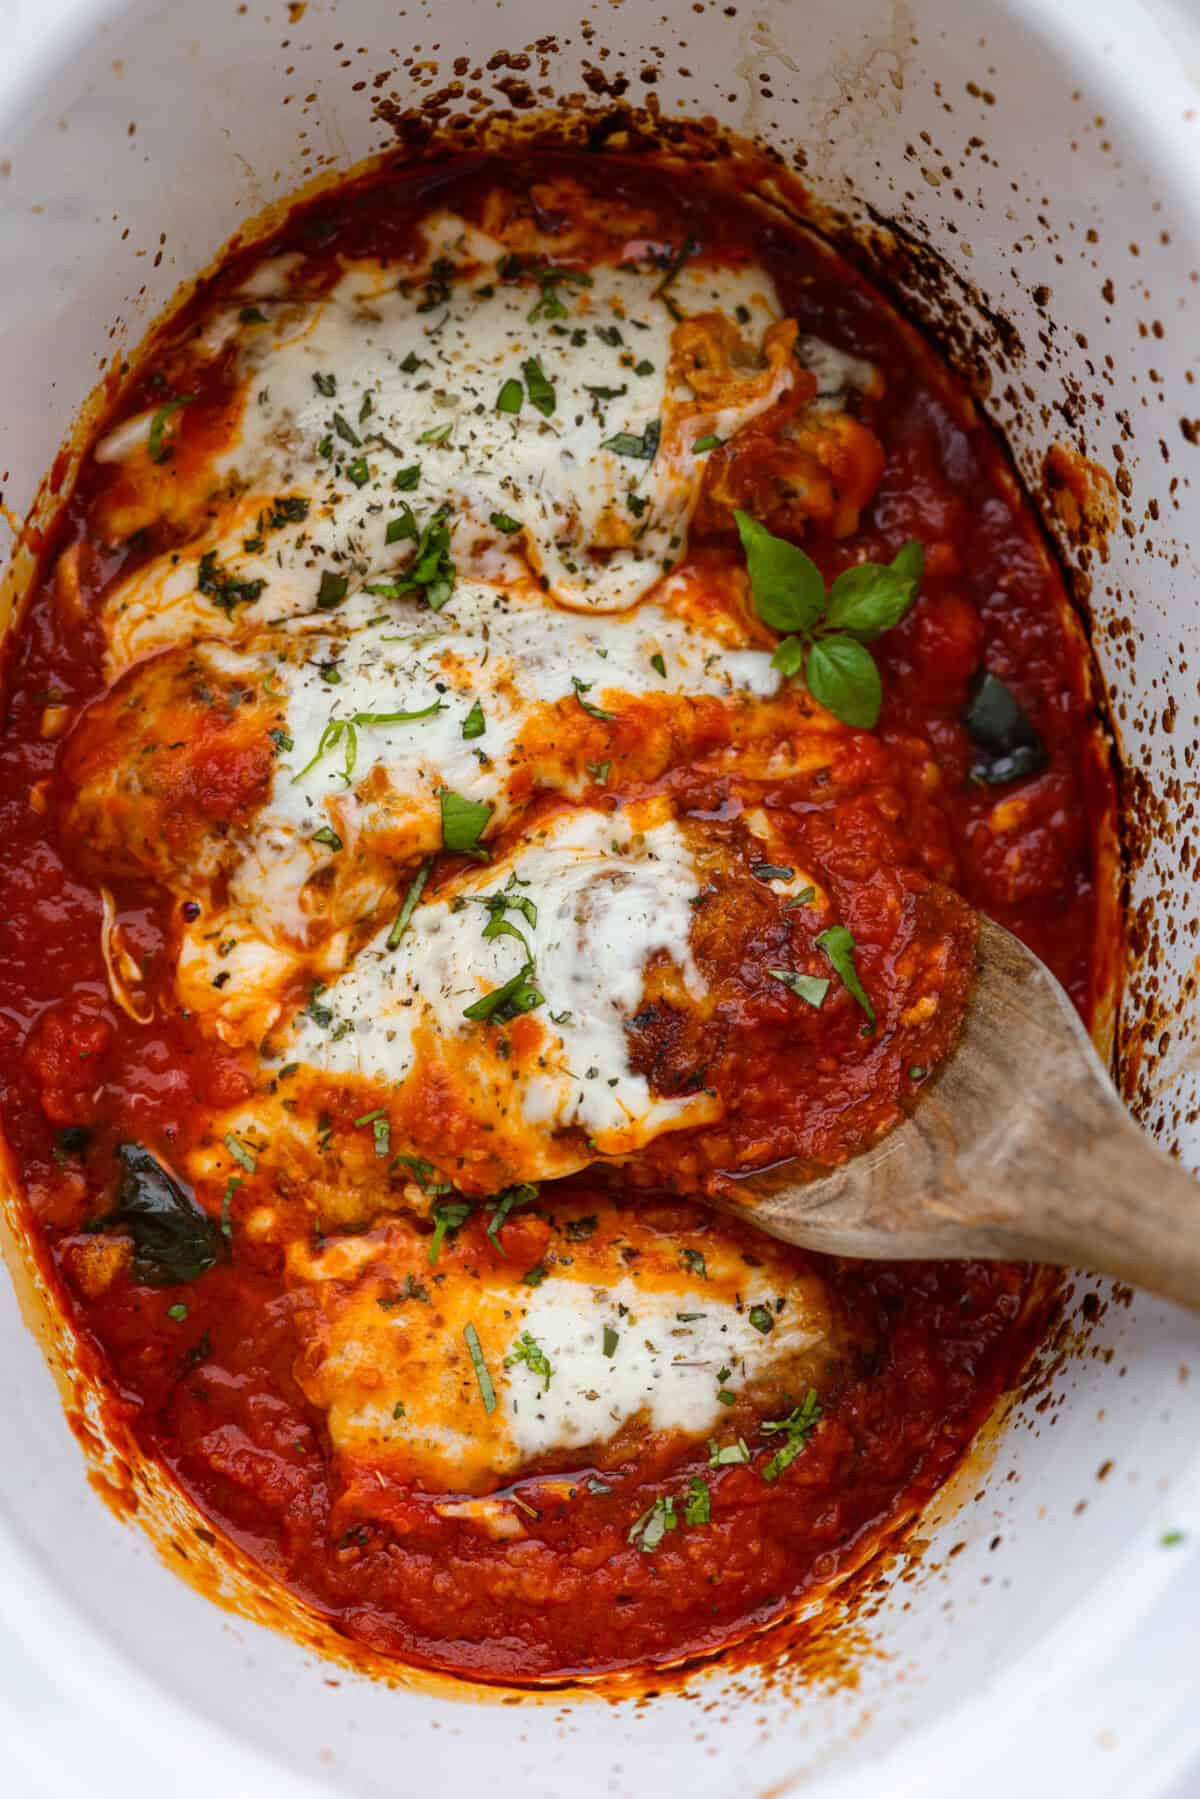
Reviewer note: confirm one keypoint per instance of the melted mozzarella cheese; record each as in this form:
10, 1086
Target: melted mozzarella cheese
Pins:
633, 1336
610, 891
837, 373
598, 465
512, 654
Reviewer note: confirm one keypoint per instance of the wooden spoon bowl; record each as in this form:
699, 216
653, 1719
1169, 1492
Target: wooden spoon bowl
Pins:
1018, 1148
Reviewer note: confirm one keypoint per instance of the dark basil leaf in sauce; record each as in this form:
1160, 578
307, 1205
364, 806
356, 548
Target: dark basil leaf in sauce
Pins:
173, 1240
997, 724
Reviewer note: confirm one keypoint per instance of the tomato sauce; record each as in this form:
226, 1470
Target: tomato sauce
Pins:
212, 1393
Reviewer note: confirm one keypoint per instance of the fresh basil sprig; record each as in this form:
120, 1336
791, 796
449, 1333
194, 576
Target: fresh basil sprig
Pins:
828, 631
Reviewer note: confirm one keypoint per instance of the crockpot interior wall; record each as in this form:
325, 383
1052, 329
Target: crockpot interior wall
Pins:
1026, 146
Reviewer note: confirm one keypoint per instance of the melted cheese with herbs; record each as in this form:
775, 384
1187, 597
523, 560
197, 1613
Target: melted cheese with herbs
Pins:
640, 1331
596, 896
578, 429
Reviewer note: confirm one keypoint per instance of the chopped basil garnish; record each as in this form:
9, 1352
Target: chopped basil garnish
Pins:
582, 687
416, 888
345, 731
224, 589
474, 724
329, 836
694, 1261
504, 521
611, 1339
325, 384
506, 1201
381, 1129
626, 443
727, 1455
541, 392
405, 479
437, 434
839, 945
511, 396
332, 590
762, 1319
156, 448
678, 258
799, 1425
463, 821
431, 569
529, 1351
448, 1215
241, 1155
507, 1002
346, 431
359, 471
698, 1506
649, 1530
702, 445
658, 665
486, 1389
810, 988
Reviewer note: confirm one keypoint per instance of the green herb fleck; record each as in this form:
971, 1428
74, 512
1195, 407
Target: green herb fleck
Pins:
799, 1425
529, 1351
839, 945
486, 1389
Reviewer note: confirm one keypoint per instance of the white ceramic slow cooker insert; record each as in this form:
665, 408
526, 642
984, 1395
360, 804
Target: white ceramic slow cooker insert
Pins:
1050, 154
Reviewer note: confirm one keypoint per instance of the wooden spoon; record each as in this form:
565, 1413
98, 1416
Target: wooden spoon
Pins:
1018, 1148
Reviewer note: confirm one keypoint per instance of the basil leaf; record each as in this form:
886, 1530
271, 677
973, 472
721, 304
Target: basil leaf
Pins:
789, 656
868, 599
810, 988
839, 945
627, 443
582, 687
787, 586
332, 590
406, 478
909, 561
156, 449
528, 1350
328, 836
698, 1506
346, 431
447, 1216
416, 888
995, 720
463, 821
474, 724
503, 1003
541, 392
504, 521
486, 1390
511, 396
173, 1240
841, 673
506, 1201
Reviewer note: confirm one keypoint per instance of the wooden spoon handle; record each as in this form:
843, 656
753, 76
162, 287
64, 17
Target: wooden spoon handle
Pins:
1019, 1148
1113, 1203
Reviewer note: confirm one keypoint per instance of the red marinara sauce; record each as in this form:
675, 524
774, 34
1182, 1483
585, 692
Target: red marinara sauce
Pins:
212, 1391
